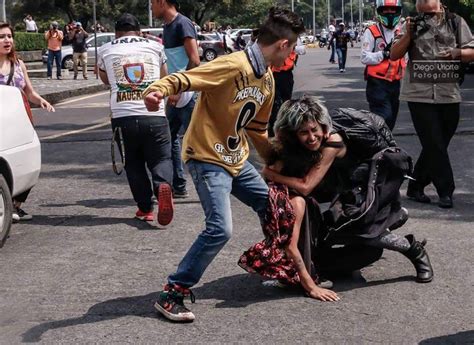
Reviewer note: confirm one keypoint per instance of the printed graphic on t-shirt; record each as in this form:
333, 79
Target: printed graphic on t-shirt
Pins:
130, 76
252, 98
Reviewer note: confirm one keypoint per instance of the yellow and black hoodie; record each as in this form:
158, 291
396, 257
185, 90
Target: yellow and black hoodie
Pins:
232, 100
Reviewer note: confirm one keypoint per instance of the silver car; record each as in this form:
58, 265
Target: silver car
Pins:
66, 51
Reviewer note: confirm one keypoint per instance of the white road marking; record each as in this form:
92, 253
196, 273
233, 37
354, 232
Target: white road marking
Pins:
60, 104
60, 135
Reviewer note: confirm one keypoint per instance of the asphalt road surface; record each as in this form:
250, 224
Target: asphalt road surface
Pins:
84, 271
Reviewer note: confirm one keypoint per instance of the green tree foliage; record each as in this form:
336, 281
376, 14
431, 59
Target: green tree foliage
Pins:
64, 11
237, 13
242, 13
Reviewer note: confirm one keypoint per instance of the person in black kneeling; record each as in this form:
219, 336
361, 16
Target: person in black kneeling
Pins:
351, 159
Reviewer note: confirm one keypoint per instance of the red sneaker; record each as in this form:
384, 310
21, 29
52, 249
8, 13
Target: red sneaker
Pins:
165, 204
145, 216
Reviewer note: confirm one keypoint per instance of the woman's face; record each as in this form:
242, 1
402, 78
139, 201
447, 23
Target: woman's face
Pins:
6, 41
311, 135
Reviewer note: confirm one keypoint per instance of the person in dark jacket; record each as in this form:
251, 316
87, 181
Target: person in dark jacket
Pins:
316, 158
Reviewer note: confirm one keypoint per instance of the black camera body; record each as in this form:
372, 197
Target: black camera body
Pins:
420, 23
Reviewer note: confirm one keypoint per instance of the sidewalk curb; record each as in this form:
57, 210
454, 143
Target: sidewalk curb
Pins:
55, 97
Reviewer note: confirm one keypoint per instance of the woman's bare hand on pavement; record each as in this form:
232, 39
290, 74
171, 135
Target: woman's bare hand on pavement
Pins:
324, 295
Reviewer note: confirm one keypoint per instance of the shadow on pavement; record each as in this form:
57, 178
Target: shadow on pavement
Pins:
108, 310
107, 203
462, 211
466, 337
96, 203
237, 291
85, 221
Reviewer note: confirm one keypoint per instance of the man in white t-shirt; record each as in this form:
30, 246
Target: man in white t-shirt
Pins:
332, 30
30, 24
129, 64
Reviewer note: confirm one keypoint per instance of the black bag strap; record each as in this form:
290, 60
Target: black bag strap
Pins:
12, 71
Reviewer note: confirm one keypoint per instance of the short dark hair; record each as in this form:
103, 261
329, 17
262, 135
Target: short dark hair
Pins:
127, 22
175, 3
280, 24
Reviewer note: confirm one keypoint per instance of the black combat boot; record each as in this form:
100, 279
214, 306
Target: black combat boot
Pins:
419, 257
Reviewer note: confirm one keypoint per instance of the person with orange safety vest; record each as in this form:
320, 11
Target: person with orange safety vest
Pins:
382, 74
284, 82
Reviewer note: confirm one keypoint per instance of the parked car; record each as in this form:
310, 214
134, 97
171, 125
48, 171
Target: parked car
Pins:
66, 51
158, 32
20, 153
211, 46
231, 38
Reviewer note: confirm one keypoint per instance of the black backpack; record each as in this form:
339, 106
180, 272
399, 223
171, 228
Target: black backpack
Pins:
364, 133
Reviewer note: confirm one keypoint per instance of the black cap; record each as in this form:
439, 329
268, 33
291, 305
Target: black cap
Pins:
127, 22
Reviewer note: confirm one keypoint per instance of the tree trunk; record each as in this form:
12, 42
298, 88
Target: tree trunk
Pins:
3, 14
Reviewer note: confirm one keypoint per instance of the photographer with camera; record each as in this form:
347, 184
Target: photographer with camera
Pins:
30, 24
54, 37
79, 48
382, 74
437, 41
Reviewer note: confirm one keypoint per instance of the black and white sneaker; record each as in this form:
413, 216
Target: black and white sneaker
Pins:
20, 215
170, 304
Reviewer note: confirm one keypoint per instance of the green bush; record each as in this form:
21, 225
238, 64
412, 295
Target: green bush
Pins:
27, 41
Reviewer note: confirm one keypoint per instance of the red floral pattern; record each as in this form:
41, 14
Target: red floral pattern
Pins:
268, 257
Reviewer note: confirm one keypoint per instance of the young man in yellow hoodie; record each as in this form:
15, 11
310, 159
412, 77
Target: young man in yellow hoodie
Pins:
236, 99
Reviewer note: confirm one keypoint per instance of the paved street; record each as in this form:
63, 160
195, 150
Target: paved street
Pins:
84, 271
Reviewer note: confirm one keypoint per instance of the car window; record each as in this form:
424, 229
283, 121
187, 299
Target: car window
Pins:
101, 40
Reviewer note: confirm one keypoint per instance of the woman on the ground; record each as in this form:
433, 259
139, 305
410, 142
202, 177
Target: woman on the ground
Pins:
13, 72
306, 149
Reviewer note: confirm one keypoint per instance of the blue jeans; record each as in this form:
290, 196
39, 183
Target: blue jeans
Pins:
147, 145
341, 57
214, 186
52, 55
382, 96
179, 119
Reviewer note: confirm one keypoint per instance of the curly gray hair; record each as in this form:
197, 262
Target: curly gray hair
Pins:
294, 113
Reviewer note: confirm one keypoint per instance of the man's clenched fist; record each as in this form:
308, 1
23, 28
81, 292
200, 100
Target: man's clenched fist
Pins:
153, 100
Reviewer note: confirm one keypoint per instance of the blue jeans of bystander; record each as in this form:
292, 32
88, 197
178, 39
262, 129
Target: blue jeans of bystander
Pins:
214, 186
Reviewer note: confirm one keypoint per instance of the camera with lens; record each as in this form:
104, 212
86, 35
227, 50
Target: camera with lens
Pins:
420, 23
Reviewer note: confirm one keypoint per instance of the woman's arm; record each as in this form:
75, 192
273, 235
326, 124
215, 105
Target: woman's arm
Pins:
306, 184
314, 291
32, 95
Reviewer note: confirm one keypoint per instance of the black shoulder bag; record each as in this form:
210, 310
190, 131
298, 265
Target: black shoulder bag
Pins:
10, 76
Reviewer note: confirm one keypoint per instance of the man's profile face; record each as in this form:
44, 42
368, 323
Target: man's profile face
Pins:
157, 8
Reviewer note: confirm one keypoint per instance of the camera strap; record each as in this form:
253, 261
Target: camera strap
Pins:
117, 138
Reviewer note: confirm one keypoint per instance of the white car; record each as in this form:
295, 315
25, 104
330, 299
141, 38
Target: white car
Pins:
20, 153
66, 51
307, 39
232, 37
